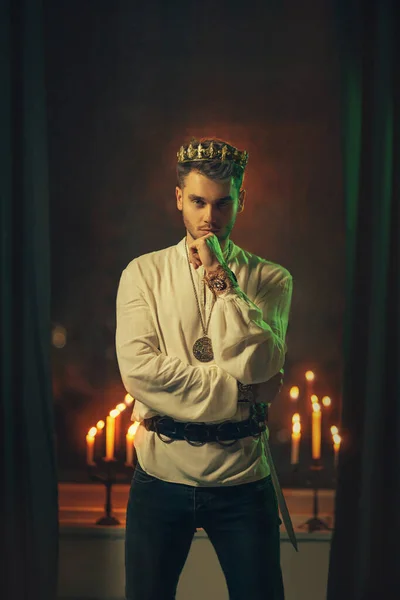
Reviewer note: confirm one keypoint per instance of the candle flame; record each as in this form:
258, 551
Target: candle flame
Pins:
100, 424
296, 427
316, 407
314, 398
334, 430
114, 413
296, 418
294, 392
59, 336
121, 406
133, 428
326, 401
92, 432
128, 399
310, 376
337, 439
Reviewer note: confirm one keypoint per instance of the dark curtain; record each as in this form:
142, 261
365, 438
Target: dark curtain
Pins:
365, 560
29, 511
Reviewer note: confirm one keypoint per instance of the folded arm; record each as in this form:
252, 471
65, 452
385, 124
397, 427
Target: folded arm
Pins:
249, 337
163, 383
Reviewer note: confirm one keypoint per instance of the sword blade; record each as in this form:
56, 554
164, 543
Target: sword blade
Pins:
287, 521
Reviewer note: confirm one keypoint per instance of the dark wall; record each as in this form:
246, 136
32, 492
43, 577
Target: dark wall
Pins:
127, 83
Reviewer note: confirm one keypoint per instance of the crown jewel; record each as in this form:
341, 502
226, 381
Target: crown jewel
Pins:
211, 151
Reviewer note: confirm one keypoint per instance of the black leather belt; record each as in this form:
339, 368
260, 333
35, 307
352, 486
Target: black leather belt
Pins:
198, 434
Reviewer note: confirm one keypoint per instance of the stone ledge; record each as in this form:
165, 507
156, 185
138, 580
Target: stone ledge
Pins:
91, 567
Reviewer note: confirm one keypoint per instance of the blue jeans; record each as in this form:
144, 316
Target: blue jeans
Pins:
241, 521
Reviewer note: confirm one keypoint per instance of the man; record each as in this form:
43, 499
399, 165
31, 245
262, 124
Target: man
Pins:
200, 343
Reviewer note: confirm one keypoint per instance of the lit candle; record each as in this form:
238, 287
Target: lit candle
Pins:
120, 408
310, 376
294, 392
90, 446
326, 401
128, 399
117, 436
130, 436
110, 434
316, 431
336, 447
129, 447
296, 436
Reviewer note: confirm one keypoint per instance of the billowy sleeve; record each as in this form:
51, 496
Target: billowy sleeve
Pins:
249, 337
163, 383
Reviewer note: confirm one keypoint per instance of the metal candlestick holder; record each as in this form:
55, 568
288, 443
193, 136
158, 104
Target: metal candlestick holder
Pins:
106, 471
315, 523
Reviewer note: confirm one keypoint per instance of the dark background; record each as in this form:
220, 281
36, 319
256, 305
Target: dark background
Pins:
127, 84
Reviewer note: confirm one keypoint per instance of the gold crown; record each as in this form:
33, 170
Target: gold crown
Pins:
212, 152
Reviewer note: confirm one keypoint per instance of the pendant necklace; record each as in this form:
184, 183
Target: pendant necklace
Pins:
202, 348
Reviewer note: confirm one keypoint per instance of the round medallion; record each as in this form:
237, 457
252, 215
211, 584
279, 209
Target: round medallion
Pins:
218, 284
202, 349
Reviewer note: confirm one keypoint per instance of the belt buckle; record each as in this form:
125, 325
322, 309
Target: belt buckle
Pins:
246, 392
164, 420
199, 427
220, 429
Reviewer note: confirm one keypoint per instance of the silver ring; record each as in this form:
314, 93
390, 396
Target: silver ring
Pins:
220, 429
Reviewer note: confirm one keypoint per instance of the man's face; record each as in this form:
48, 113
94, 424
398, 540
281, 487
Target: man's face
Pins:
209, 205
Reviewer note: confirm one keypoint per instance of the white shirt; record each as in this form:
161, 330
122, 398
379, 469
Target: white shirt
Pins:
157, 325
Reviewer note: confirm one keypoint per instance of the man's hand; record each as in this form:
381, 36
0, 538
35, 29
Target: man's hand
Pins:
206, 251
268, 390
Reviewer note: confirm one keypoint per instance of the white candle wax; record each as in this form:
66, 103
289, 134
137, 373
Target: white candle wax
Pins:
336, 448
129, 448
294, 459
316, 431
89, 449
110, 437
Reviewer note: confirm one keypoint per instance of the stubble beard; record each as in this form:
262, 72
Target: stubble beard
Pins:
222, 239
